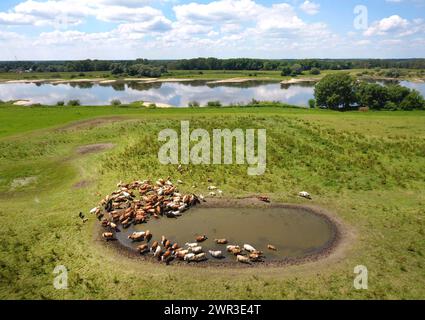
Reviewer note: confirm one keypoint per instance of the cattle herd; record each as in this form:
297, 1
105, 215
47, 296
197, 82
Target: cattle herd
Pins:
139, 201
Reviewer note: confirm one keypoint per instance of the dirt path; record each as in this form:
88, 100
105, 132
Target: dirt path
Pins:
93, 148
90, 123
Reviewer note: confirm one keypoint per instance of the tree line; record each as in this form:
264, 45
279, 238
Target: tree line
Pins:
343, 92
139, 67
155, 67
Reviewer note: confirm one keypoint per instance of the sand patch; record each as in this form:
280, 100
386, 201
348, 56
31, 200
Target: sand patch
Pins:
157, 104
303, 80
235, 80
22, 182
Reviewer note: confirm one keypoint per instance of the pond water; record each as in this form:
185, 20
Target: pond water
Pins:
295, 233
173, 93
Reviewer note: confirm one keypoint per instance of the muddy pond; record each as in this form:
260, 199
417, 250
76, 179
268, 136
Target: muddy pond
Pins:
295, 232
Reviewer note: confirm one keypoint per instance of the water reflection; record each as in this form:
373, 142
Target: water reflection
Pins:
173, 93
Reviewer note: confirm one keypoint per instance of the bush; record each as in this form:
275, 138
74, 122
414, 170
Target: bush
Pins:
312, 103
194, 104
74, 103
296, 69
413, 101
81, 74
286, 71
397, 93
152, 106
60, 103
115, 102
315, 71
391, 106
214, 104
335, 91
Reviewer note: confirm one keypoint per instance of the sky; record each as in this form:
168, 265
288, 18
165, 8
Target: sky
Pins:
177, 29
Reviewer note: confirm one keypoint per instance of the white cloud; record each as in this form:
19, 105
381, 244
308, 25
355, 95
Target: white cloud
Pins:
75, 11
310, 8
224, 28
395, 26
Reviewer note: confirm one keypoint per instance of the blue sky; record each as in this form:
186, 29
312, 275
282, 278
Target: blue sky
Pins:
160, 29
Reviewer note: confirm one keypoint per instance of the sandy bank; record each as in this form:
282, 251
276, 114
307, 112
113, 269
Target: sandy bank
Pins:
302, 80
235, 80
23, 103
157, 104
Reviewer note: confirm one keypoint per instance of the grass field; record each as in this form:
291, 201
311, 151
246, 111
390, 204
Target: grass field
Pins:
365, 168
188, 74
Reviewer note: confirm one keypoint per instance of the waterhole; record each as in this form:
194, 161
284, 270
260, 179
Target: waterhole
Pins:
296, 232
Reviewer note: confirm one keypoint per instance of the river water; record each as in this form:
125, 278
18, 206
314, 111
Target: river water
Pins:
173, 93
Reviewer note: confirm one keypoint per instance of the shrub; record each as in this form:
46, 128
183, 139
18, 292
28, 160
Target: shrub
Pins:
397, 93
286, 71
214, 104
312, 103
315, 71
60, 103
115, 102
74, 103
413, 101
390, 106
81, 74
194, 104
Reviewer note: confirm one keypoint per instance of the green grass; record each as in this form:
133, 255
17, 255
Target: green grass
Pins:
367, 168
54, 75
189, 74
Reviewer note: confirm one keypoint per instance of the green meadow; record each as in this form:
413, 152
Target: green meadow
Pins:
367, 169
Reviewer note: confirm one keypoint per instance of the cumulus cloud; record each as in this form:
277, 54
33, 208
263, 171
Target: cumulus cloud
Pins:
310, 8
396, 26
213, 27
47, 13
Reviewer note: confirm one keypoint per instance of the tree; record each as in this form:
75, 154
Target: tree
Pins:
286, 71
335, 91
296, 69
372, 95
397, 93
413, 101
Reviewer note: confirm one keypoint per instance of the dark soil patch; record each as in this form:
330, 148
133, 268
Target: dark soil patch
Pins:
91, 123
93, 148
82, 184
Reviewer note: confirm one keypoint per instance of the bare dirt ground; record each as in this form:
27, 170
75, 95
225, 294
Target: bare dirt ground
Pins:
90, 123
93, 148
